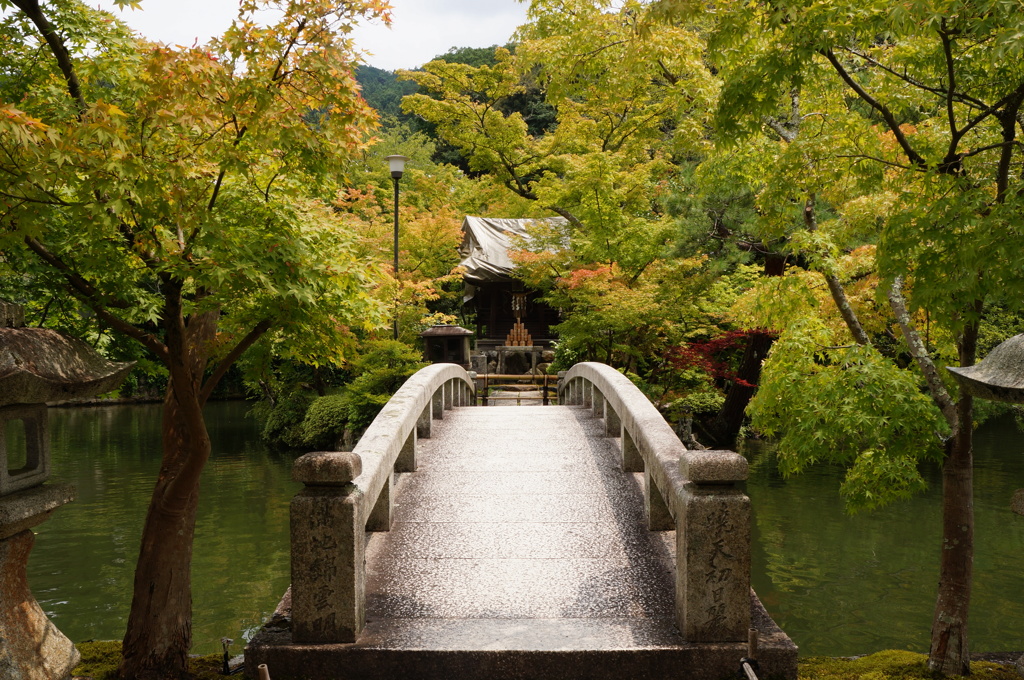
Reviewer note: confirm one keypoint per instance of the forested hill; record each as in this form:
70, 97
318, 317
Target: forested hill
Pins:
383, 90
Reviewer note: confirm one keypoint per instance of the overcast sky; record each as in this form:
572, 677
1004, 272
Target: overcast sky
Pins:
420, 29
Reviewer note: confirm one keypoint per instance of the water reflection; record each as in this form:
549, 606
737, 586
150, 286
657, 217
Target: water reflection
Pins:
842, 585
838, 585
82, 566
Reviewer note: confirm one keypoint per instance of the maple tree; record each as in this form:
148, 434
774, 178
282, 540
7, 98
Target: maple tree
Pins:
181, 194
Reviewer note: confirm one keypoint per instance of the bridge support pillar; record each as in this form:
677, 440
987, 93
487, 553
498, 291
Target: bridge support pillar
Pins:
328, 544
598, 400
713, 549
423, 425
587, 390
659, 518
406, 460
383, 509
632, 461
612, 423
437, 404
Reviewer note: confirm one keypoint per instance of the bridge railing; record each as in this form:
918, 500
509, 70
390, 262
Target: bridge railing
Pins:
347, 494
692, 492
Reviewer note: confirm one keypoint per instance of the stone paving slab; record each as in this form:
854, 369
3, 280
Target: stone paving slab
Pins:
535, 634
520, 514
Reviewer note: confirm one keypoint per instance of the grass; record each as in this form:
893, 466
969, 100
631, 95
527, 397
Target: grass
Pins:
99, 662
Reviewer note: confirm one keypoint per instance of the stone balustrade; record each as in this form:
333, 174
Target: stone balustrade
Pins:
347, 494
692, 492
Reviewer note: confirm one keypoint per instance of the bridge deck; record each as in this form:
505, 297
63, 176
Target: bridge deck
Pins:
520, 531
519, 551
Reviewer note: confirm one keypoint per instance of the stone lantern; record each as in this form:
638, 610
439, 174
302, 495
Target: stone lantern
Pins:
37, 366
446, 345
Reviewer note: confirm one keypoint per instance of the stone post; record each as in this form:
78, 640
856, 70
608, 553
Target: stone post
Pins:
598, 400
423, 424
659, 517
612, 423
713, 549
632, 461
406, 461
437, 403
587, 390
328, 545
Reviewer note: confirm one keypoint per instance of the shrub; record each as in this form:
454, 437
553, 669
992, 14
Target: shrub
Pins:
325, 422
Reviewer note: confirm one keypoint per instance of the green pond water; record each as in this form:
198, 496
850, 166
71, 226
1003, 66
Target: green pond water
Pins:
839, 585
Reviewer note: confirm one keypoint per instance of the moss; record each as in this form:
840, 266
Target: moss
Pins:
890, 665
100, 660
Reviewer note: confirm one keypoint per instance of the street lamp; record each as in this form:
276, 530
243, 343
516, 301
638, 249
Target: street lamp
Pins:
397, 166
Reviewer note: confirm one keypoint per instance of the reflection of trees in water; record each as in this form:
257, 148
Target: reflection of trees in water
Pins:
82, 566
841, 584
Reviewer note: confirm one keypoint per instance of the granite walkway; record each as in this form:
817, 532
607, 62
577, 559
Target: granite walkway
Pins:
519, 531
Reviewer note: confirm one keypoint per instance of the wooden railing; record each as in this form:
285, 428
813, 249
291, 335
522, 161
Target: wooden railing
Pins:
486, 383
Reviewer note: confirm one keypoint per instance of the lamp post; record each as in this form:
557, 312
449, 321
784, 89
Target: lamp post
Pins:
397, 166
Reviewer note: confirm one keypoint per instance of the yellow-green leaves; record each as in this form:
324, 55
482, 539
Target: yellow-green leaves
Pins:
848, 405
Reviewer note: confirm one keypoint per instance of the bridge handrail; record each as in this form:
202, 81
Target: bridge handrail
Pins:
349, 493
391, 430
692, 492
655, 441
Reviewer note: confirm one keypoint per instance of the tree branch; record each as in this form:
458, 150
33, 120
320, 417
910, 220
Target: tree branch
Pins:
88, 294
56, 44
834, 286
920, 353
245, 343
887, 116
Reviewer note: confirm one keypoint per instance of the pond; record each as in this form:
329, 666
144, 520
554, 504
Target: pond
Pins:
839, 585
842, 585
83, 562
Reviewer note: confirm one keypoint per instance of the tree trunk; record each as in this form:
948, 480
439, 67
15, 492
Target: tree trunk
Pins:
726, 425
159, 634
949, 653
727, 422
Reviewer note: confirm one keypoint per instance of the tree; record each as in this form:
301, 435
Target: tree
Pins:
178, 193
934, 92
624, 109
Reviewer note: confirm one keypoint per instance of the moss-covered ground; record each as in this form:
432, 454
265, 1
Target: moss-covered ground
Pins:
99, 662
891, 665
100, 659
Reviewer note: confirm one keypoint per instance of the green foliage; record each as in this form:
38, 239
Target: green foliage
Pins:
695, 403
384, 91
324, 422
379, 374
848, 405
283, 420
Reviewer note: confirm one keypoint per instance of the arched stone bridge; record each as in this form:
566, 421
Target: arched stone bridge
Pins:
572, 541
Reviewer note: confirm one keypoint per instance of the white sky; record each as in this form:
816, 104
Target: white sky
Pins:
420, 29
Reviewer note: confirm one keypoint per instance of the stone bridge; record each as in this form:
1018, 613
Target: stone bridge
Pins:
573, 541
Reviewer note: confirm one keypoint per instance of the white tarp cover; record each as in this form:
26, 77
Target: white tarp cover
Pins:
485, 244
